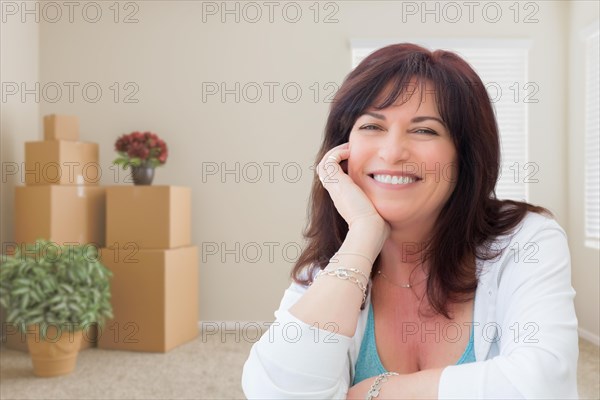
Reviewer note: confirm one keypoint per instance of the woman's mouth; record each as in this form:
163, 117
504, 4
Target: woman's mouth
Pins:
394, 179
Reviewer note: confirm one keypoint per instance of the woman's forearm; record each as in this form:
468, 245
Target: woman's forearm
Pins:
332, 303
419, 385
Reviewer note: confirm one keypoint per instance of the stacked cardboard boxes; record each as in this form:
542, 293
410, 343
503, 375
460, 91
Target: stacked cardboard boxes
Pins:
155, 269
61, 200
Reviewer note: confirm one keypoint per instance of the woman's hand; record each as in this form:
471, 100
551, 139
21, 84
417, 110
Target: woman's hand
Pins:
349, 199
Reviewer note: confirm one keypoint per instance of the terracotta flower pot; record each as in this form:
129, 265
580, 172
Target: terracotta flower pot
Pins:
56, 354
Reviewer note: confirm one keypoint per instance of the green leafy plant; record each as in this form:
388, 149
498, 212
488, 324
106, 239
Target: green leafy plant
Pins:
48, 284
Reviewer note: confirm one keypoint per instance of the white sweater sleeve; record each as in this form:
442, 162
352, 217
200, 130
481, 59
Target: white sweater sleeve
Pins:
294, 360
536, 326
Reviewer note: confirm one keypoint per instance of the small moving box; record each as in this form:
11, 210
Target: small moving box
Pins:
154, 299
61, 162
61, 127
148, 217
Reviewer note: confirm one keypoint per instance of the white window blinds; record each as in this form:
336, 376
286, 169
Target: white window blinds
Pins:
502, 66
592, 142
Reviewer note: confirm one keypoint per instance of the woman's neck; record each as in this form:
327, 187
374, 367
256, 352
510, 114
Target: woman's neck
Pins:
401, 258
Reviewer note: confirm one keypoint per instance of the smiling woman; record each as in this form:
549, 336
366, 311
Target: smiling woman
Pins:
413, 283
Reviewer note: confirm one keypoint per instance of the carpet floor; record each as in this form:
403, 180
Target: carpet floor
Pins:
209, 367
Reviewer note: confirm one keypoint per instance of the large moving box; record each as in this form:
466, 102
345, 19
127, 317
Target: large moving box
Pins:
148, 217
154, 298
61, 162
60, 213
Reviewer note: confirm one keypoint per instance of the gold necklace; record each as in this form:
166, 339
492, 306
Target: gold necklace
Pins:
406, 286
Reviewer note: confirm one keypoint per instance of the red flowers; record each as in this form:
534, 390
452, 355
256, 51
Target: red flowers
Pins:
141, 148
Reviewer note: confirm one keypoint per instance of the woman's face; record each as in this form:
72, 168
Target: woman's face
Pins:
404, 159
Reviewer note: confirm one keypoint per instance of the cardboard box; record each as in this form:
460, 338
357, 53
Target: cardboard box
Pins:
61, 162
60, 213
148, 217
61, 127
154, 299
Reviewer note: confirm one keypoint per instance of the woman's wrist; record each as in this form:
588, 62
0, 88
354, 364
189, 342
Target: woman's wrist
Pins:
369, 235
375, 388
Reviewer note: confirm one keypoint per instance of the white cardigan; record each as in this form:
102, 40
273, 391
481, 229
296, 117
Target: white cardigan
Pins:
526, 342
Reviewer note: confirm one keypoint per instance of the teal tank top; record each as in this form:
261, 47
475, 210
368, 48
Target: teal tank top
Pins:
368, 363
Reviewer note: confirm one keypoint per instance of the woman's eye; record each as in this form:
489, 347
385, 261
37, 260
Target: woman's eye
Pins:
425, 131
369, 127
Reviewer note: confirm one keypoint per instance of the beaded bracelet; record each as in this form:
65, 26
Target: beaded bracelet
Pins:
376, 386
344, 273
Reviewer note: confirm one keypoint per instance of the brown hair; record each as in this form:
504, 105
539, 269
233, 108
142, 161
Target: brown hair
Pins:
472, 217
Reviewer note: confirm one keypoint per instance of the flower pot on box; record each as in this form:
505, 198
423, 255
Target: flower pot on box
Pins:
142, 175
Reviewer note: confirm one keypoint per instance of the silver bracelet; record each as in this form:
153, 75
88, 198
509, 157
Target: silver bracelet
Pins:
355, 270
376, 386
344, 273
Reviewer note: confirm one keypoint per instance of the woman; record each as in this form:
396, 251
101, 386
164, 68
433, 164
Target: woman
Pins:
417, 282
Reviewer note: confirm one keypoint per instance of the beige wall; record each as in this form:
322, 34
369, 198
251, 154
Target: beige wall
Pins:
586, 261
170, 52
19, 121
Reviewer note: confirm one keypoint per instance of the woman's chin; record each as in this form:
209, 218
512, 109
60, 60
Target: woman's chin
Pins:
393, 215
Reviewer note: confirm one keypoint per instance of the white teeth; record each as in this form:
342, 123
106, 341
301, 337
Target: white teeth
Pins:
394, 180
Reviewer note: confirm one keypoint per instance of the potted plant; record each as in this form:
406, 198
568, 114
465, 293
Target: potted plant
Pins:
54, 293
143, 152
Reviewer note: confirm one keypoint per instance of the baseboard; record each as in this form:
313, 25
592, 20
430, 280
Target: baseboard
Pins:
589, 336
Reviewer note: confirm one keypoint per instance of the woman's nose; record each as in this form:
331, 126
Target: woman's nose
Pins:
395, 148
